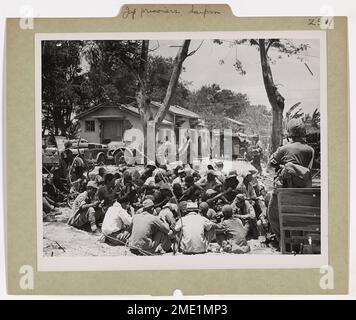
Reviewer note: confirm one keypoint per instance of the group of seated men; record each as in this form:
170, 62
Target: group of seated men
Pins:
161, 210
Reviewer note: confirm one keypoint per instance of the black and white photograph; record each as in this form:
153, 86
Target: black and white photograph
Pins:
181, 150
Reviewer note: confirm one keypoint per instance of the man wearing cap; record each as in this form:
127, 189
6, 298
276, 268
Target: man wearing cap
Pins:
149, 232
230, 186
196, 231
117, 224
153, 183
84, 209
231, 233
180, 176
245, 211
106, 193
210, 181
128, 192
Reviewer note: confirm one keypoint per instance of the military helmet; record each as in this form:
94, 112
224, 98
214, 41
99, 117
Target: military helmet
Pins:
296, 128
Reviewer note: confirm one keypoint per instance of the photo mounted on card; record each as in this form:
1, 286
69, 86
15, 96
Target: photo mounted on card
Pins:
179, 142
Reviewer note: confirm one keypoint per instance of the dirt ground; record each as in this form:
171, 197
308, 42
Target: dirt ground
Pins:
60, 239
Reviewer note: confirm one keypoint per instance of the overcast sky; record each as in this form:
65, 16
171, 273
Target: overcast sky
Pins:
294, 80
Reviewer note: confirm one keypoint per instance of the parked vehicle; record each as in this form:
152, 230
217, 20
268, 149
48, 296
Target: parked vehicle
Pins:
91, 153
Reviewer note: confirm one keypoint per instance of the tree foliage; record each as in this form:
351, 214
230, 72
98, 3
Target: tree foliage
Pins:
61, 83
281, 47
77, 75
214, 104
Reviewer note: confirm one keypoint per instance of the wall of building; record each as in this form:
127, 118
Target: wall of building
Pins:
95, 136
91, 136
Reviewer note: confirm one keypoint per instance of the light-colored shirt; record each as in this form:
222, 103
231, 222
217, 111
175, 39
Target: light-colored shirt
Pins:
194, 226
116, 219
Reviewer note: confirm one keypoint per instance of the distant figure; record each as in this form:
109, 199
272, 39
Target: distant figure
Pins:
66, 158
256, 153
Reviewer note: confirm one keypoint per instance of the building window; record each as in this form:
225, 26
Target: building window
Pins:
90, 125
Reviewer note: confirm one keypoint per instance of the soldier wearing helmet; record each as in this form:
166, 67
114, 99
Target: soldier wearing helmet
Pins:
297, 153
293, 163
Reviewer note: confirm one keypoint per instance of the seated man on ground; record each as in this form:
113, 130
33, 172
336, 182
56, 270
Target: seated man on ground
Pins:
244, 211
117, 224
84, 209
106, 193
231, 234
148, 171
246, 186
197, 231
79, 180
128, 192
153, 183
149, 233
210, 181
192, 190
208, 212
169, 214
162, 196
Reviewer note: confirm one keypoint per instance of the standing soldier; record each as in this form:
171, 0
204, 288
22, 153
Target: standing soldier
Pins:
66, 158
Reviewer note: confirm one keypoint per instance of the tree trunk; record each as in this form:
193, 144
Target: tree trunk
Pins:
143, 101
275, 98
277, 127
173, 82
142, 97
